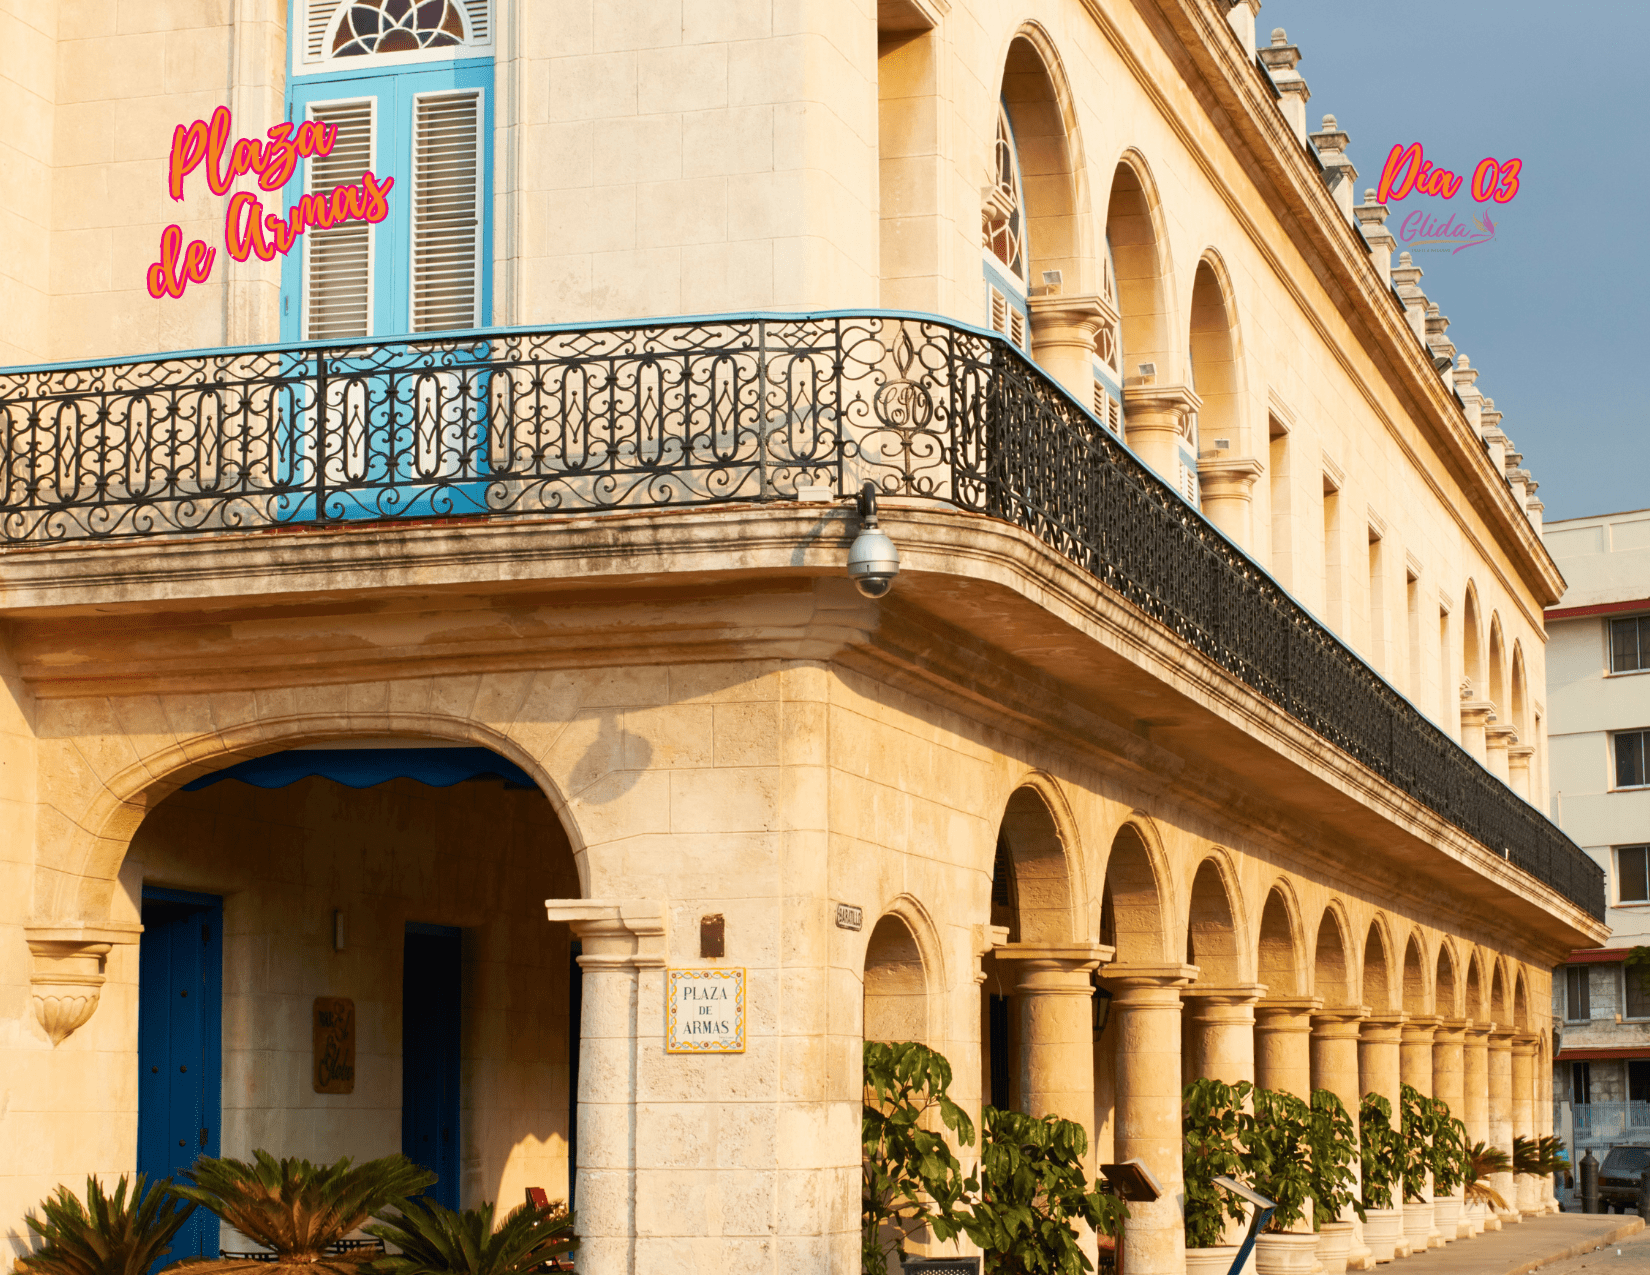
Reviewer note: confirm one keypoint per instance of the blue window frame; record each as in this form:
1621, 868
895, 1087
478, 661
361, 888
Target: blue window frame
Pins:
396, 278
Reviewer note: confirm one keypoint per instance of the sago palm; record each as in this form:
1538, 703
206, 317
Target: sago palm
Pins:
435, 1240
108, 1235
1485, 1162
297, 1208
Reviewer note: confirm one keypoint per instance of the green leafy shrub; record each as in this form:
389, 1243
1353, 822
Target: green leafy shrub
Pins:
1215, 1127
435, 1240
1334, 1147
1418, 1127
1030, 1189
1451, 1156
1378, 1151
1279, 1156
909, 1176
300, 1209
117, 1234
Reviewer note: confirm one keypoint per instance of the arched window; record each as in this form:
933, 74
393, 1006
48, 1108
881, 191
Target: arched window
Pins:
1108, 350
408, 83
1003, 239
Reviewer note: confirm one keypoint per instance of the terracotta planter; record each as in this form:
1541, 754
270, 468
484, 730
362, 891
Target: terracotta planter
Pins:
1446, 1213
1286, 1253
1334, 1242
1210, 1261
1417, 1225
1383, 1231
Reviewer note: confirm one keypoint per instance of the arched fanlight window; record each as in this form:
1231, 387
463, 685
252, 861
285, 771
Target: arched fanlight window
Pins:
1005, 217
1108, 350
1003, 239
366, 27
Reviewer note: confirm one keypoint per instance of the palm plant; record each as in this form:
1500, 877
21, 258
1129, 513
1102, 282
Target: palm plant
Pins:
435, 1240
300, 1209
1484, 1163
1551, 1156
117, 1234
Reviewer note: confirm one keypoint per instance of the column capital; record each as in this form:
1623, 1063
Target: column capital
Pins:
1451, 1031
1524, 1044
1148, 983
1170, 400
1231, 477
1339, 1021
1066, 956
1501, 1037
1477, 712
1079, 311
1478, 1029
1382, 1027
1420, 1026
1236, 994
618, 934
1286, 1013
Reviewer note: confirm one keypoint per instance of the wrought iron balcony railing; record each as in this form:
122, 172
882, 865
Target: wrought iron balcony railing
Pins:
711, 411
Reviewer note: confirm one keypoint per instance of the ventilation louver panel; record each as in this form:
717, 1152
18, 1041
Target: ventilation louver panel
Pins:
338, 261
446, 214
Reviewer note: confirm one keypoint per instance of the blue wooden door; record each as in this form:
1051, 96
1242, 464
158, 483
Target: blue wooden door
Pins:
180, 1059
431, 1014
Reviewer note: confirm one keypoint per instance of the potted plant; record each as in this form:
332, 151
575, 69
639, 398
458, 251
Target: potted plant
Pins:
299, 1209
1450, 1167
1279, 1161
1029, 1191
1334, 1148
1416, 1127
1215, 1126
435, 1240
909, 1177
118, 1234
1484, 1162
1382, 1171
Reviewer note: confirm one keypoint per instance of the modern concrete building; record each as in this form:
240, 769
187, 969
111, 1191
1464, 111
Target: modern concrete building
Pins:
488, 546
1599, 644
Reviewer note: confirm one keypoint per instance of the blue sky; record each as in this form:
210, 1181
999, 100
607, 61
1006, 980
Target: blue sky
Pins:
1554, 312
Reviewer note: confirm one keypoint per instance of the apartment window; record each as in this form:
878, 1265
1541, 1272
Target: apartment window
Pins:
1277, 478
1630, 644
1638, 1080
1332, 555
1581, 1083
1637, 1000
1377, 606
1633, 874
1629, 745
1003, 242
1576, 1009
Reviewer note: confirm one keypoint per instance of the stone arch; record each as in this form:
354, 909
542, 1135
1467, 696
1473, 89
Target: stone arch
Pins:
1140, 252
1331, 971
1476, 1004
1472, 651
1213, 923
1037, 848
1377, 968
1036, 93
1498, 995
1135, 907
897, 981
1279, 945
1415, 977
1518, 705
1214, 356
1498, 669
1446, 995
76, 870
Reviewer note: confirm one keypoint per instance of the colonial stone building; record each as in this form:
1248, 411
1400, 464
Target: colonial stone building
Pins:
389, 716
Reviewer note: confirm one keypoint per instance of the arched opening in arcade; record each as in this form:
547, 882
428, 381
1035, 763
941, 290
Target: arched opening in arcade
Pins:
345, 953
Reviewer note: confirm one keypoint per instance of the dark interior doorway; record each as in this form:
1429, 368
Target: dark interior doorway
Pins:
431, 1017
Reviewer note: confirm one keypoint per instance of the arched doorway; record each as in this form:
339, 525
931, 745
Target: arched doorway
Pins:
360, 926
1224, 467
1283, 1020
1218, 1029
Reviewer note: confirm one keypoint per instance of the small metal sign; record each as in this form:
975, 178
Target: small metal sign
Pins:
334, 1043
848, 917
705, 1011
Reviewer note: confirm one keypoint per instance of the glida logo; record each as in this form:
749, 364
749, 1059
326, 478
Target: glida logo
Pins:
1408, 171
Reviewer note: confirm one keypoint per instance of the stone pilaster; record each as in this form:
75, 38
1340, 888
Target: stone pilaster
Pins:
1498, 737
1155, 419
1063, 329
1415, 1070
1476, 714
1475, 1094
1501, 1113
1055, 997
1226, 488
1335, 1068
1527, 1186
1447, 1079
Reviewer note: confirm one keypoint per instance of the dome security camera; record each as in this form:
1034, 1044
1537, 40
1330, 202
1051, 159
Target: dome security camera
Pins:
873, 561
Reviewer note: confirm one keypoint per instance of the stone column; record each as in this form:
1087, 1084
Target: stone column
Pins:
1542, 1098
1335, 1068
1154, 418
1527, 1185
1055, 999
1518, 764
1063, 329
1378, 1073
1447, 1078
1501, 1113
1415, 1070
1146, 1007
624, 952
1220, 1029
1475, 1098
1283, 1044
1226, 486
1475, 715
1498, 738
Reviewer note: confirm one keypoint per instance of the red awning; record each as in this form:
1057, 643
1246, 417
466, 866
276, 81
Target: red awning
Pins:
1598, 608
1598, 955
1591, 1052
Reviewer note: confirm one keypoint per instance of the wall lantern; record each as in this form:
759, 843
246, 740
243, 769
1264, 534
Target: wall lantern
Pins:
1100, 1005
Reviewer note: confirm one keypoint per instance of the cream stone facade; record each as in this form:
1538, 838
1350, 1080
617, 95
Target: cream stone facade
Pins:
1047, 781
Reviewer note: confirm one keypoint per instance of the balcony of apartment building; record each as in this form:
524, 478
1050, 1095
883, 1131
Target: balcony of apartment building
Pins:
733, 449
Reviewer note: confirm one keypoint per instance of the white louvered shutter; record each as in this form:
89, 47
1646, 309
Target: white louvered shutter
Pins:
338, 261
996, 311
318, 17
446, 212
1017, 328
